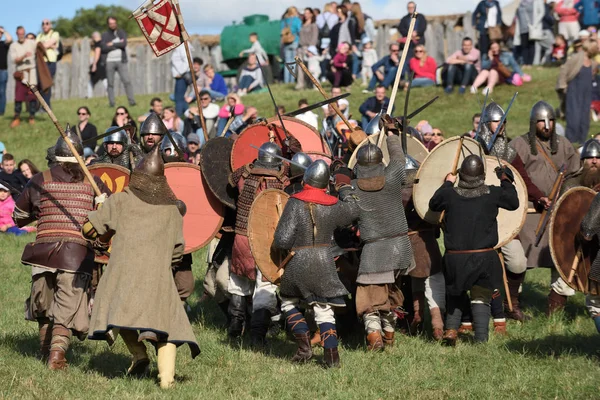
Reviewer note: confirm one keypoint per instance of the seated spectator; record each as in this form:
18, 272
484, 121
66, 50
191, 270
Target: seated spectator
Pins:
241, 122
427, 135
343, 104
369, 58
232, 108
308, 117
424, 68
193, 145
123, 118
210, 111
216, 84
280, 110
475, 120
341, 74
11, 176
373, 106
559, 50
156, 106
172, 120
28, 169
201, 80
7, 207
389, 64
499, 67
86, 130
251, 78
256, 49
463, 66
437, 137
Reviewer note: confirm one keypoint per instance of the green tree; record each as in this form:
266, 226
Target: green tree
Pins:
88, 20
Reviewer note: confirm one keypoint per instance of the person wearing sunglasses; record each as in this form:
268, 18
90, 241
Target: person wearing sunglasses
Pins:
50, 39
85, 130
424, 68
123, 118
438, 136
390, 66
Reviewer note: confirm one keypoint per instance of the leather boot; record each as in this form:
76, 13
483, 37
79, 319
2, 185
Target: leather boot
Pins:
437, 324
167, 353
514, 284
374, 341
388, 339
316, 339
450, 337
45, 330
140, 362
237, 312
224, 306
15, 122
331, 358
556, 302
259, 326
500, 328
416, 326
61, 338
304, 352
465, 328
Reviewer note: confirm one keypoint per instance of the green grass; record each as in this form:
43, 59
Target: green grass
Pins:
544, 358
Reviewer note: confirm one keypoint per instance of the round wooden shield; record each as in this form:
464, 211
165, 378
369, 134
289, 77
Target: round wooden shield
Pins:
434, 169
509, 222
572, 255
414, 148
215, 162
257, 134
205, 212
262, 223
115, 177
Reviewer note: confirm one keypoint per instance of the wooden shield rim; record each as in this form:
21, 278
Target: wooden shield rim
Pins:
196, 167
119, 168
520, 182
324, 146
418, 143
551, 233
261, 194
232, 205
430, 155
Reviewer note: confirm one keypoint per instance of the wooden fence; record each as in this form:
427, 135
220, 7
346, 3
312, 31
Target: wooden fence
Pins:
150, 74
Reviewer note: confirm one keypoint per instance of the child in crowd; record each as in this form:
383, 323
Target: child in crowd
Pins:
257, 49
369, 58
314, 60
559, 50
7, 206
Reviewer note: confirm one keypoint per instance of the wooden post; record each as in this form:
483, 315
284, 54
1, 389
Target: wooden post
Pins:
64, 135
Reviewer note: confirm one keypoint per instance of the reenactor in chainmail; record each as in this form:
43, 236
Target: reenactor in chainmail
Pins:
306, 228
590, 227
152, 131
543, 153
246, 283
384, 232
297, 173
589, 173
470, 234
118, 150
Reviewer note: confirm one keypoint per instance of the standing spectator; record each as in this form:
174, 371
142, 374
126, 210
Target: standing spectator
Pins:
290, 37
327, 20
373, 106
28, 169
475, 120
4, 46
568, 24
172, 120
308, 117
50, 40
309, 36
257, 49
114, 45
85, 130
23, 55
251, 77
369, 58
424, 68
529, 29
341, 75
201, 80
590, 12
98, 65
370, 31
122, 118
543, 47
359, 24
232, 108
418, 35
180, 70
487, 19
11, 175
390, 67
216, 83
343, 31
463, 66
575, 78
210, 111
156, 106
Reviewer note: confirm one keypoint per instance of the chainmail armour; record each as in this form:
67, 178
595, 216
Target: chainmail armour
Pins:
590, 226
471, 187
307, 228
382, 222
123, 159
500, 147
151, 189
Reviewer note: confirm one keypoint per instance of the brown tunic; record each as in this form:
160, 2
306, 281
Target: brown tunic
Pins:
543, 174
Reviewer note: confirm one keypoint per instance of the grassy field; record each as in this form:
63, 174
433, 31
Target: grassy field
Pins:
544, 358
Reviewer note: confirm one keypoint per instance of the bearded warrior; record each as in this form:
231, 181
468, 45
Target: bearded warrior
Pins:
246, 283
470, 234
543, 153
589, 174
118, 150
306, 227
152, 131
61, 259
384, 232
137, 297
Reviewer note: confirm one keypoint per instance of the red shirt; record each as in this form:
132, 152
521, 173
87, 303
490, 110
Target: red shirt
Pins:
426, 71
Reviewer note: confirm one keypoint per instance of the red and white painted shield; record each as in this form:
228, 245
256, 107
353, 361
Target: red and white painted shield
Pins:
160, 26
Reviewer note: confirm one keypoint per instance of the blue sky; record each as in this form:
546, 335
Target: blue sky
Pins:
209, 16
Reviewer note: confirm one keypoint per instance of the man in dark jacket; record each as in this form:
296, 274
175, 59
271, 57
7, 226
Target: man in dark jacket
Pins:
113, 46
373, 105
390, 66
418, 36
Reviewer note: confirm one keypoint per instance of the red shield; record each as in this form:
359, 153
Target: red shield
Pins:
160, 27
115, 177
205, 212
255, 135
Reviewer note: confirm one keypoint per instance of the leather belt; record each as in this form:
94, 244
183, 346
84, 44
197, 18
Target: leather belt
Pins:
411, 233
469, 251
385, 238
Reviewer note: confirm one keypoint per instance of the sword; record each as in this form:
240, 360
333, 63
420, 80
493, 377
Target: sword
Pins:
316, 105
481, 119
124, 127
491, 143
545, 218
424, 106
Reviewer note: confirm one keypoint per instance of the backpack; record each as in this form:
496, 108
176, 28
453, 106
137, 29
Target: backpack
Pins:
59, 51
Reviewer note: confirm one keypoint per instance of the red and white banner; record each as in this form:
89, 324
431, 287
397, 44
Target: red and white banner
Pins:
161, 25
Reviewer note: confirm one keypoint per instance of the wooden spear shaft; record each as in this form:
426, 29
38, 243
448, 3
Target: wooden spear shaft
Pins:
80, 161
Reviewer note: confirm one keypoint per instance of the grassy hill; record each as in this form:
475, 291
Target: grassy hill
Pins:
544, 358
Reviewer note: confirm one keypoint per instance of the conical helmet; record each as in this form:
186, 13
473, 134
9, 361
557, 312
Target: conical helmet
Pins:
153, 125
61, 149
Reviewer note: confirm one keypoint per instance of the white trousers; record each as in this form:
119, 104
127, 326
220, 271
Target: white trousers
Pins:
514, 257
323, 312
570, 30
592, 303
380, 321
263, 293
434, 288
